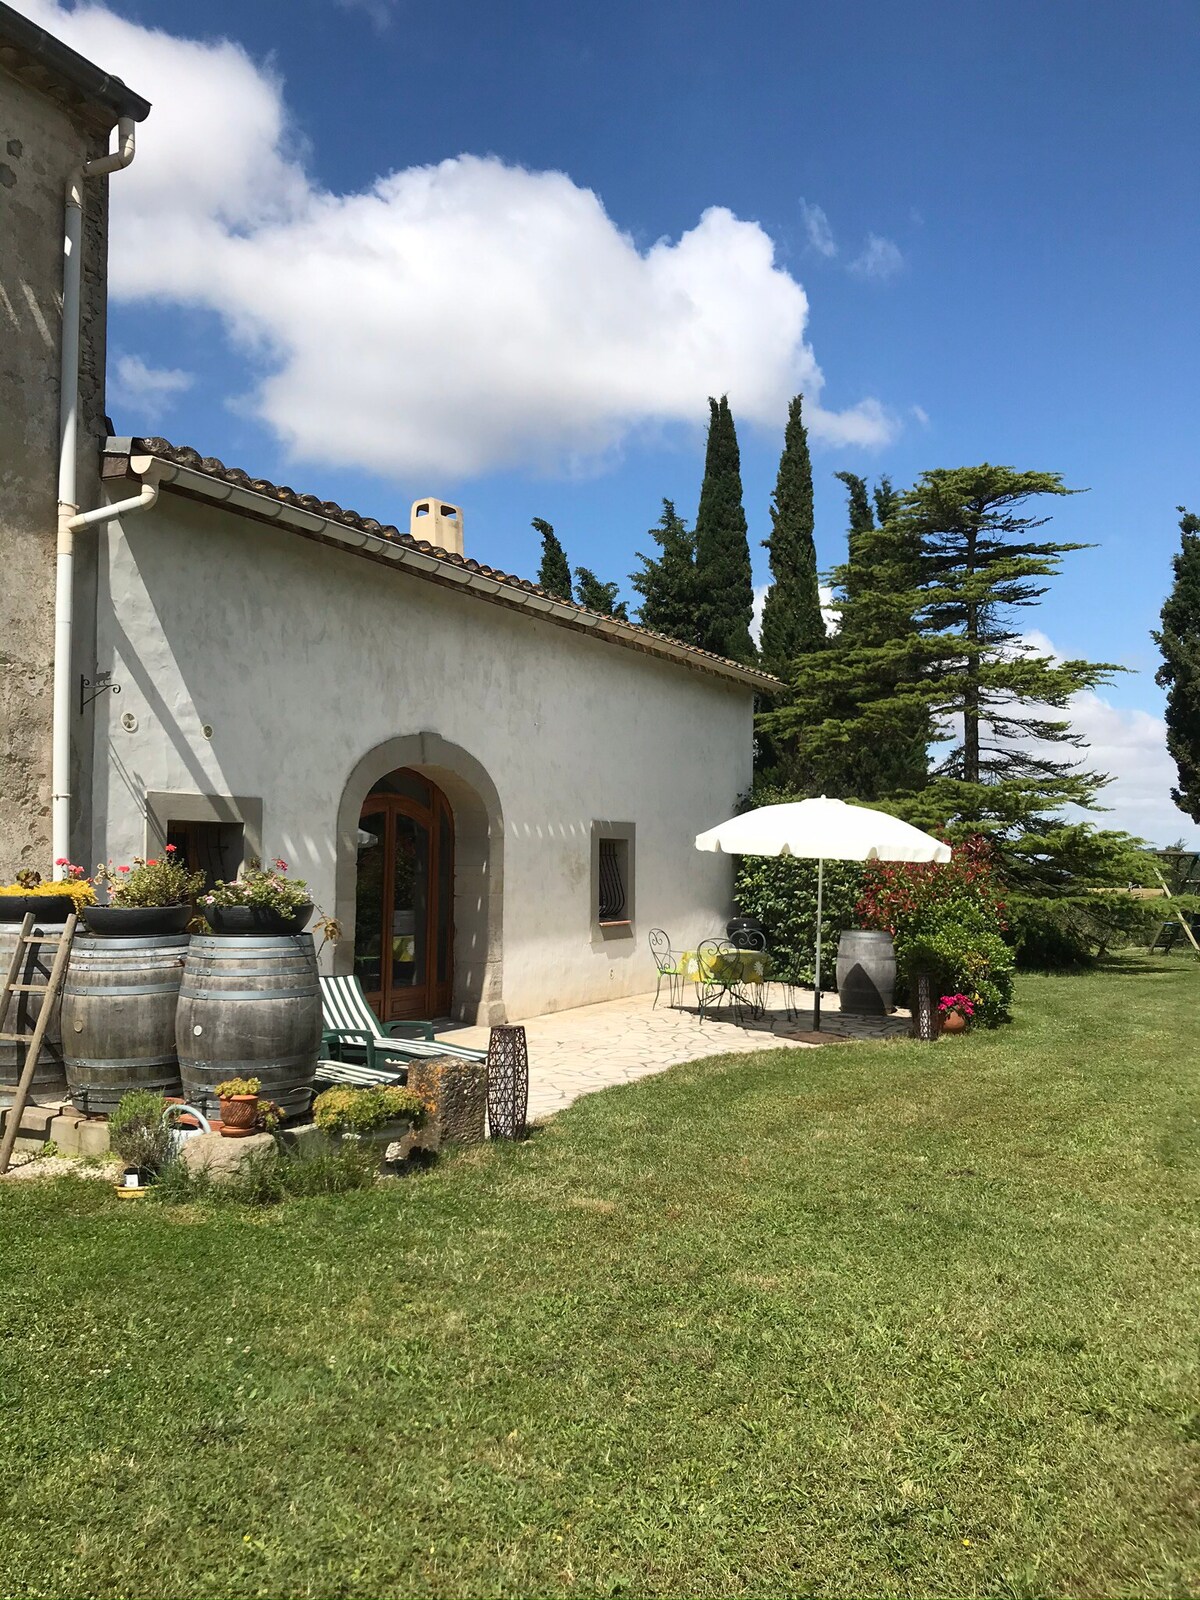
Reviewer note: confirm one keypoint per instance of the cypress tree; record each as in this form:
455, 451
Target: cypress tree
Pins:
554, 574
597, 596
887, 501
1179, 675
667, 582
860, 520
792, 622
725, 600
851, 728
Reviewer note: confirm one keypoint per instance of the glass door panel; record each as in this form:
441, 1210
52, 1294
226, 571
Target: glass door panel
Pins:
445, 903
404, 922
410, 903
369, 900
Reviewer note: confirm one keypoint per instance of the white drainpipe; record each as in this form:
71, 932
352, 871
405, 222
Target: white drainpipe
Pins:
69, 519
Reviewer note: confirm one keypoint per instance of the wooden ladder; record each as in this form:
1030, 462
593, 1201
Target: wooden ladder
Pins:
33, 1041
1179, 917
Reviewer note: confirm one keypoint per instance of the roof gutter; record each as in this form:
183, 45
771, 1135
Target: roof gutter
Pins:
200, 485
68, 66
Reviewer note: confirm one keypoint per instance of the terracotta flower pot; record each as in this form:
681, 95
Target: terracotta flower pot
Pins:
238, 1116
953, 1022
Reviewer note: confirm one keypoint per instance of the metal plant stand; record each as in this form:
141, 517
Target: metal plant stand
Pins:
508, 1083
925, 1018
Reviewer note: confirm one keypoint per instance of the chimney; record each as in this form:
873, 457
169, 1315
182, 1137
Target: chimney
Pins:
438, 522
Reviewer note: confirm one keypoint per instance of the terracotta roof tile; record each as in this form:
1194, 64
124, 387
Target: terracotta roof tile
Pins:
184, 456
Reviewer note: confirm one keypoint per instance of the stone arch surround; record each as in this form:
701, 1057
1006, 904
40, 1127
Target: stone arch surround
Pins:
478, 864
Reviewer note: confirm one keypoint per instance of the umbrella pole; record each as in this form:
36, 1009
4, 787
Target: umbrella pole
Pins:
820, 897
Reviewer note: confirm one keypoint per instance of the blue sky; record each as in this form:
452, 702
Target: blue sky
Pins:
991, 208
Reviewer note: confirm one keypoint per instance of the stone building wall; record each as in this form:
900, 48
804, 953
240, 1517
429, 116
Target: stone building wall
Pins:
41, 141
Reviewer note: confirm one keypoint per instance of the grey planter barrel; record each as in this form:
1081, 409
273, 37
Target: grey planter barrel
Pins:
49, 1081
250, 1008
118, 1018
866, 972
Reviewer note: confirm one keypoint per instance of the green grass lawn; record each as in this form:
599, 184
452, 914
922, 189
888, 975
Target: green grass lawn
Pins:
870, 1320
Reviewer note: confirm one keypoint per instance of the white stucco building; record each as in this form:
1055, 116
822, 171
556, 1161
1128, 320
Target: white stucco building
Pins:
495, 792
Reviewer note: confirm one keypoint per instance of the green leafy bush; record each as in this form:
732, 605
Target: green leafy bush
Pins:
946, 919
266, 887
781, 892
136, 1132
363, 1110
160, 881
1057, 935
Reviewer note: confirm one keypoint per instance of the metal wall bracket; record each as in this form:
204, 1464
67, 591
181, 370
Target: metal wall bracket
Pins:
98, 685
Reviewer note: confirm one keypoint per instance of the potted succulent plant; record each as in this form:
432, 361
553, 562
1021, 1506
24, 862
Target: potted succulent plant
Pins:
262, 900
382, 1115
239, 1106
48, 901
956, 1012
152, 896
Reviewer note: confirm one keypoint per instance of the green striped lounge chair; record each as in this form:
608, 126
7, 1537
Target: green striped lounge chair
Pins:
358, 1048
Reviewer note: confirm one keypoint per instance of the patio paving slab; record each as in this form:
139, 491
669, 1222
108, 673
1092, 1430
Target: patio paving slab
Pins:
577, 1052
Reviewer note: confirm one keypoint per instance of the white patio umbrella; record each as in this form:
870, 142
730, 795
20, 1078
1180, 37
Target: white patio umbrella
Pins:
822, 830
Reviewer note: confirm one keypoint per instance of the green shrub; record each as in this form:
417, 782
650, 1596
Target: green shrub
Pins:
362, 1110
136, 1131
947, 919
781, 892
1057, 935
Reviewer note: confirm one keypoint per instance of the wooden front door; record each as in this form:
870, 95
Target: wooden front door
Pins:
404, 926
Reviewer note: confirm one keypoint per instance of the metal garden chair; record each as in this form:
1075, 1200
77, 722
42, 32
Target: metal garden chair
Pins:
668, 967
718, 977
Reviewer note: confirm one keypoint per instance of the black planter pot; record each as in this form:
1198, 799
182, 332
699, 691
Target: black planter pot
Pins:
247, 920
111, 922
45, 907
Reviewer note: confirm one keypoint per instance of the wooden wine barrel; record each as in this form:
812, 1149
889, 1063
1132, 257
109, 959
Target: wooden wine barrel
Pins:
49, 1082
118, 1018
866, 972
250, 1008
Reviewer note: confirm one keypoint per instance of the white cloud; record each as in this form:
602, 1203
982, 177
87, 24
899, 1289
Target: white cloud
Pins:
828, 612
1130, 746
820, 234
450, 319
151, 390
880, 260
378, 12
920, 414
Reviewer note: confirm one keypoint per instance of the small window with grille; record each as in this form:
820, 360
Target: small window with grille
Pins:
612, 881
612, 877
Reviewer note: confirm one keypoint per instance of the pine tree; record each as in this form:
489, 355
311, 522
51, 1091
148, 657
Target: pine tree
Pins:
1013, 765
597, 596
554, 574
667, 582
977, 567
725, 601
792, 622
1179, 675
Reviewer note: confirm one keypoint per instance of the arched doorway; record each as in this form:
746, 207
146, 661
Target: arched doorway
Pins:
404, 898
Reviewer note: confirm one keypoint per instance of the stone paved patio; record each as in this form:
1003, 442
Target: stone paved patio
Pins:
572, 1053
